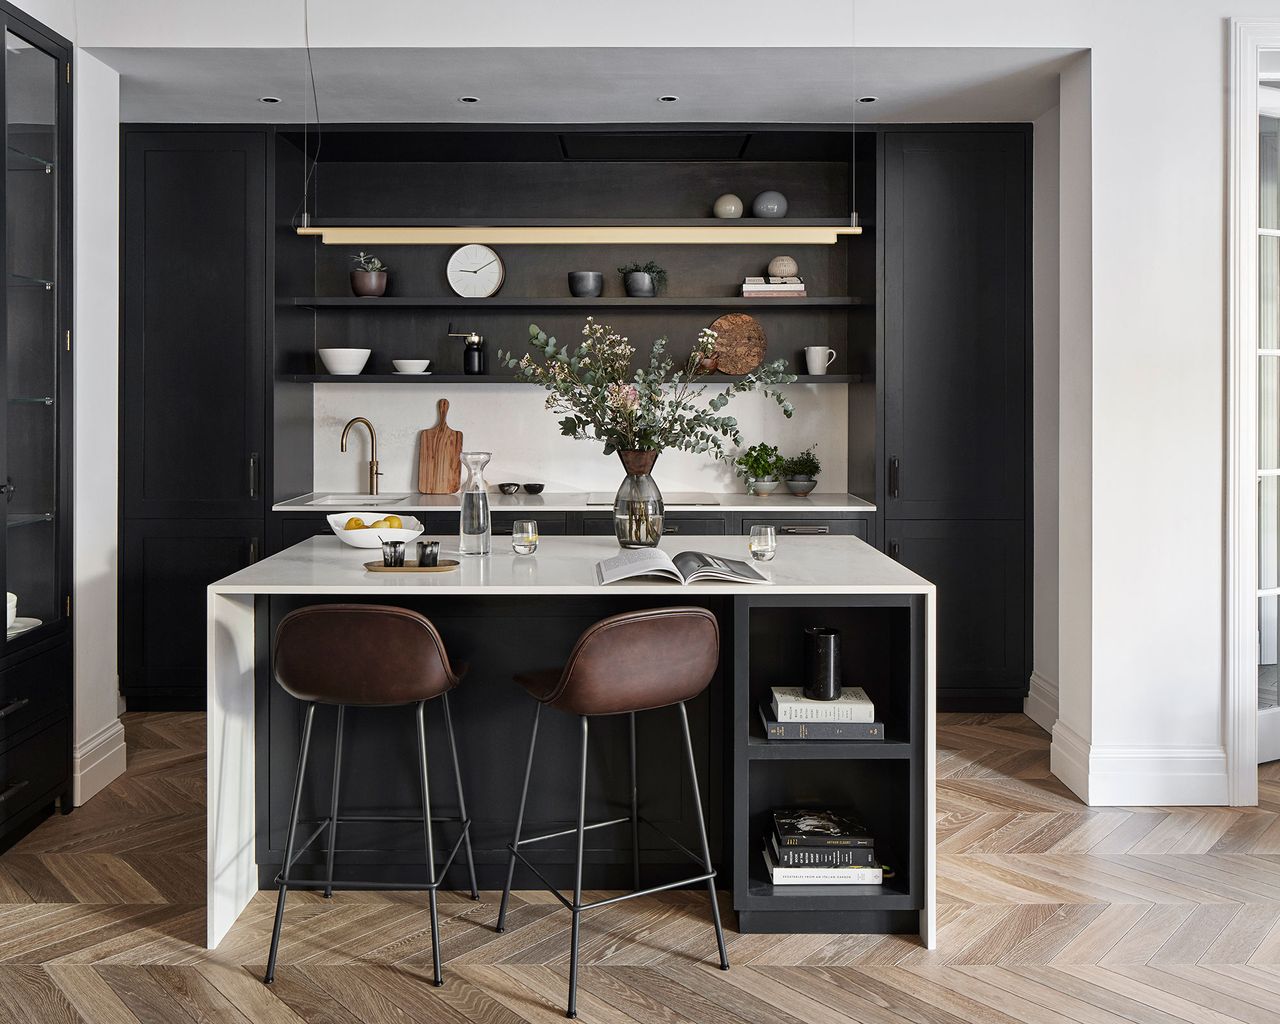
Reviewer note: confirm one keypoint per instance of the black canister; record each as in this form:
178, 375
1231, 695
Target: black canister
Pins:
473, 357
821, 663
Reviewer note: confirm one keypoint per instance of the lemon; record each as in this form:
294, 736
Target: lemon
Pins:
354, 523
394, 522
380, 524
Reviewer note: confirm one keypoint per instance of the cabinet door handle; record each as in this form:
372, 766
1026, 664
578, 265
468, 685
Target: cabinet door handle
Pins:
17, 704
253, 550
807, 531
893, 549
12, 788
253, 474
674, 528
895, 472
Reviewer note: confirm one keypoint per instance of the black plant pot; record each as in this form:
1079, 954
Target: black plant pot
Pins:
585, 284
639, 285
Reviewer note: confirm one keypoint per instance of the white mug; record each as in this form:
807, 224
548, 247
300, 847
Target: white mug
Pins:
818, 357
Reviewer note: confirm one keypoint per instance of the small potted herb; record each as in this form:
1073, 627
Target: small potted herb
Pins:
760, 464
643, 280
369, 279
801, 472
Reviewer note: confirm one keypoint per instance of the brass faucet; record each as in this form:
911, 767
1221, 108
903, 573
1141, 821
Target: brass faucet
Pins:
373, 450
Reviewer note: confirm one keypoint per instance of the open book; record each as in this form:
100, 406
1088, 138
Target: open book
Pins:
686, 567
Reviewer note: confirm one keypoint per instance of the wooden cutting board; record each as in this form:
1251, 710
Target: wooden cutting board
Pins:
440, 456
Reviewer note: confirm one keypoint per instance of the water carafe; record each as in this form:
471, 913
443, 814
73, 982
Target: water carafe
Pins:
475, 530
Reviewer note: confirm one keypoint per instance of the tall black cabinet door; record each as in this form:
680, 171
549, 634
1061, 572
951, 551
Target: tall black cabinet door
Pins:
166, 565
956, 272
979, 568
194, 307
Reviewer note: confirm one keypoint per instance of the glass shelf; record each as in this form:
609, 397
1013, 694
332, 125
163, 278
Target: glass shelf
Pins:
31, 400
16, 519
22, 281
19, 160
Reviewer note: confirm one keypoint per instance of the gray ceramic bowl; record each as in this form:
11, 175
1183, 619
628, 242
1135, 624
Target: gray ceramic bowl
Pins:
762, 487
800, 486
508, 488
585, 284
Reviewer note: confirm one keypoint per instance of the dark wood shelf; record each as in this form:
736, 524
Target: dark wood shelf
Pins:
761, 894
491, 378
569, 302
581, 222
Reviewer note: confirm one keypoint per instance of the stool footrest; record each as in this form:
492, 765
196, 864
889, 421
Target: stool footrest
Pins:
305, 883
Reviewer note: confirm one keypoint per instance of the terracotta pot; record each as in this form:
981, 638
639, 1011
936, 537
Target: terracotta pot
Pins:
709, 364
368, 285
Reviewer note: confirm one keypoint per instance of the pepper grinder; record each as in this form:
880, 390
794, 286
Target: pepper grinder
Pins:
474, 358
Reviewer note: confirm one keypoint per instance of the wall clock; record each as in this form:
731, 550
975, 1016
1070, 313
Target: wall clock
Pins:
475, 271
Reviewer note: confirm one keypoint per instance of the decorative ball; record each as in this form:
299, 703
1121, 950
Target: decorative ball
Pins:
727, 207
783, 266
769, 204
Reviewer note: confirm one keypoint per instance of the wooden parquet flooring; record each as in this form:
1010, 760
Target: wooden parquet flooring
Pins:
1050, 913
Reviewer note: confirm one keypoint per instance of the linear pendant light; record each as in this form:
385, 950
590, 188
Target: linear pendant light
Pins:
737, 233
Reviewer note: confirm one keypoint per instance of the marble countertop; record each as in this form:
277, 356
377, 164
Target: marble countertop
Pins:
566, 565
677, 502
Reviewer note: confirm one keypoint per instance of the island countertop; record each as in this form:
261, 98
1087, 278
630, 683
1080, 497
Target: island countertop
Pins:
566, 565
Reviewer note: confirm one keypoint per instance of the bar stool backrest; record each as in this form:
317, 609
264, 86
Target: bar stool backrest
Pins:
639, 660
360, 654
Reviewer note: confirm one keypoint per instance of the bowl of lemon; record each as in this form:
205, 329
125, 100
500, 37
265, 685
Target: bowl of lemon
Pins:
367, 530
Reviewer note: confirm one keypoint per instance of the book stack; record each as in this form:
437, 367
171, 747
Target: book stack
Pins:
790, 715
820, 847
773, 288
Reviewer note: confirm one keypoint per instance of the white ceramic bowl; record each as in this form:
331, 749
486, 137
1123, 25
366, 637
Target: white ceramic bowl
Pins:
12, 601
372, 538
411, 365
345, 361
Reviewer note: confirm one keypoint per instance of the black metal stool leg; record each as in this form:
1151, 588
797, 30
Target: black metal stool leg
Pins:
431, 850
702, 834
462, 800
270, 976
577, 877
635, 811
515, 842
333, 804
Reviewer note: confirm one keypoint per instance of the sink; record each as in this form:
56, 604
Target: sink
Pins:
359, 500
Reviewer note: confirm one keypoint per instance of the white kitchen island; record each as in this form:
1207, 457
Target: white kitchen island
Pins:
886, 611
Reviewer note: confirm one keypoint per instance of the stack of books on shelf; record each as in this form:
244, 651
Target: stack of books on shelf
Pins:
790, 715
820, 847
773, 288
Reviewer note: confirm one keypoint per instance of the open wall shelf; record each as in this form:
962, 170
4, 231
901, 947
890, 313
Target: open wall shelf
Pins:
569, 302
493, 378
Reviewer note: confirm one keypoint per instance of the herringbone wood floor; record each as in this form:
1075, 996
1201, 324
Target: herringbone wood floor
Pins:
1050, 913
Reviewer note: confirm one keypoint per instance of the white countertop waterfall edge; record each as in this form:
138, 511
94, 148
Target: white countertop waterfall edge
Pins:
563, 566
779, 501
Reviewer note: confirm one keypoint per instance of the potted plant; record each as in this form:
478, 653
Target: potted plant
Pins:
369, 279
643, 280
761, 464
639, 411
801, 472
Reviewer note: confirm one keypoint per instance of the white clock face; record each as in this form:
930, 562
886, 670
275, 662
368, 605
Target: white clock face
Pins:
475, 272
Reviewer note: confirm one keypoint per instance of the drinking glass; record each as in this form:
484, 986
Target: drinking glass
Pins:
524, 536
763, 543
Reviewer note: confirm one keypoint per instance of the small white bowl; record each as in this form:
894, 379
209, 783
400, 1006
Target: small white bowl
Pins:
372, 538
411, 365
346, 362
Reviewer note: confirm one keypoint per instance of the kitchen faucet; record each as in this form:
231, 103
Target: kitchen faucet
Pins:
373, 450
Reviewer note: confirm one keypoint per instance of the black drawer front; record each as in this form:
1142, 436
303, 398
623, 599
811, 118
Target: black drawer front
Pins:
34, 689
672, 526
31, 769
550, 524
811, 527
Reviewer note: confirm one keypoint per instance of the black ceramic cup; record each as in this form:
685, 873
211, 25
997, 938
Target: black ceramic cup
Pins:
821, 663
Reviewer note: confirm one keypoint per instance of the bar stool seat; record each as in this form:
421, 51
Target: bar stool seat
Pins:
370, 656
625, 664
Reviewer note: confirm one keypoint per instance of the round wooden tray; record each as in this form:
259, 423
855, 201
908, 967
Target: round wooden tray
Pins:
740, 343
446, 565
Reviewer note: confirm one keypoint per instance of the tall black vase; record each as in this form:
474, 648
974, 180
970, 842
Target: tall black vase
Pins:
821, 663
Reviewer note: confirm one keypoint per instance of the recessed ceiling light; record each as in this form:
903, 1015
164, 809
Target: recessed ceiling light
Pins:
468, 99
668, 99
867, 99
268, 99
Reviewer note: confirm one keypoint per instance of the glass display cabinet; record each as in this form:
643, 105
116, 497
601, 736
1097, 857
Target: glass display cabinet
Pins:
35, 440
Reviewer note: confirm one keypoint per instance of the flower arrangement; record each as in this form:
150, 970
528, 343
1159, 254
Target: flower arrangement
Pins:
648, 408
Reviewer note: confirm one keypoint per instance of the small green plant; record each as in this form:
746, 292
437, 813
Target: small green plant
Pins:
652, 269
760, 462
369, 263
806, 464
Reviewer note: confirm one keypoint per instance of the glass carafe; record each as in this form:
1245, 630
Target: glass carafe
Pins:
637, 509
475, 529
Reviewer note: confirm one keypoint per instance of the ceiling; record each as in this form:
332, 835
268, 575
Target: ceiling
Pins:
587, 85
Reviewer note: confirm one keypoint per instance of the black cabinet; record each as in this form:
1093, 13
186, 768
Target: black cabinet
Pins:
165, 568
956, 273
809, 526
979, 569
594, 525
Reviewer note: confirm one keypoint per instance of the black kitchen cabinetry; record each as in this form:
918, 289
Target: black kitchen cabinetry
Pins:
956, 426
194, 395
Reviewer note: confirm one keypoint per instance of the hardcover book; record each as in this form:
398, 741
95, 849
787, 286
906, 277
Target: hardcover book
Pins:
776, 730
821, 857
821, 876
800, 827
853, 705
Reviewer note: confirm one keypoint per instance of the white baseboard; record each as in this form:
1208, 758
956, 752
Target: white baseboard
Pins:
98, 761
1041, 702
1118, 776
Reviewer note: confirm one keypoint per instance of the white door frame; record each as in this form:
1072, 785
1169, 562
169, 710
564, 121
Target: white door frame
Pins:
1249, 36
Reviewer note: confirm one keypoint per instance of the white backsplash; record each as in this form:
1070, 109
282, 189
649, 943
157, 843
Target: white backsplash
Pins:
513, 423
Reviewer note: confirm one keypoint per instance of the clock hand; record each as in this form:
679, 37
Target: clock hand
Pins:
478, 269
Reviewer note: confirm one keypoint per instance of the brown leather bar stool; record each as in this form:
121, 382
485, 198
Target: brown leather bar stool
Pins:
360, 655
638, 661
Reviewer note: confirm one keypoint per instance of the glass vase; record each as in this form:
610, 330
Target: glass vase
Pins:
637, 510
475, 528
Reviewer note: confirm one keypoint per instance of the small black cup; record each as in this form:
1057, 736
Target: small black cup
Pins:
821, 663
